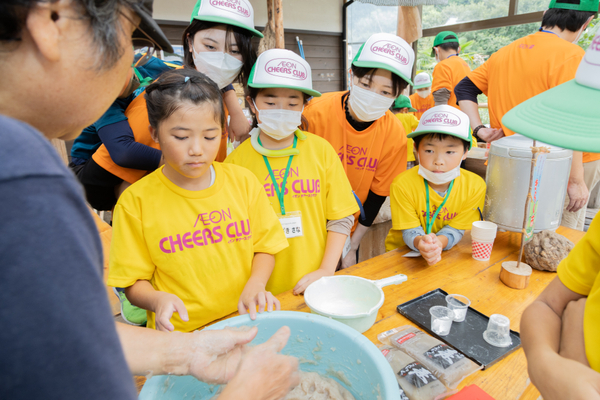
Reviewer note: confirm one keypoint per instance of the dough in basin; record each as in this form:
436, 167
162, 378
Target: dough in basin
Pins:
314, 386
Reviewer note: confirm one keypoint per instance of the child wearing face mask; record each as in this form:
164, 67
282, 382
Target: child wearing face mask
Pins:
300, 172
194, 240
368, 138
434, 203
422, 99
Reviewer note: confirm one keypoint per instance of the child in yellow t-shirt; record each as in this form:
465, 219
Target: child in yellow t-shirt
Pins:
194, 240
434, 203
300, 172
401, 108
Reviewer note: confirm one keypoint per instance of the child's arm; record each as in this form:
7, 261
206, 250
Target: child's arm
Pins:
238, 124
555, 376
430, 246
254, 292
142, 294
333, 251
451, 235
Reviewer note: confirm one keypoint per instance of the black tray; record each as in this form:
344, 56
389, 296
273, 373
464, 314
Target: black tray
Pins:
466, 336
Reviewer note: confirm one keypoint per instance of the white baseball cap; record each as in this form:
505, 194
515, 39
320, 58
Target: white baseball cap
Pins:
566, 115
422, 80
447, 120
389, 52
280, 68
229, 12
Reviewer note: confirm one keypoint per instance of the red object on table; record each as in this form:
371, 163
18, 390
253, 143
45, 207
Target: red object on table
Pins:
471, 392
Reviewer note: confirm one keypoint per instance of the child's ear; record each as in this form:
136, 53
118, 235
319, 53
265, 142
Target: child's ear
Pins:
251, 104
153, 133
464, 157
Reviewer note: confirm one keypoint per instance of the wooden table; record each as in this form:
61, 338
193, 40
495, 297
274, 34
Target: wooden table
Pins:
459, 273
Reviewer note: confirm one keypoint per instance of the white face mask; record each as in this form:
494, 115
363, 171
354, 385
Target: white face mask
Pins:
439, 179
368, 106
279, 124
579, 35
220, 67
424, 93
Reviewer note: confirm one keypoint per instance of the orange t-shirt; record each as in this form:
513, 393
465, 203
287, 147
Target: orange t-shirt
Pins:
372, 158
137, 116
523, 69
420, 104
447, 74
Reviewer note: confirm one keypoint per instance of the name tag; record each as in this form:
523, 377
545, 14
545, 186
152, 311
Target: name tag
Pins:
291, 223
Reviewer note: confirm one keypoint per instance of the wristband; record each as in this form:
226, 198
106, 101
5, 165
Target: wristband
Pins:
477, 130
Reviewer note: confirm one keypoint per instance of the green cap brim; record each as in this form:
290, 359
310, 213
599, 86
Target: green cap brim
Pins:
410, 109
375, 64
421, 133
566, 116
227, 21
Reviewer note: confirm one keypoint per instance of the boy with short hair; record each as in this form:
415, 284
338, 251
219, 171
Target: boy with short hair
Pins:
449, 71
404, 111
434, 203
422, 99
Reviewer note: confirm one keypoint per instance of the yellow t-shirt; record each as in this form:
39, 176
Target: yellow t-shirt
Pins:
580, 272
317, 186
198, 245
410, 123
408, 203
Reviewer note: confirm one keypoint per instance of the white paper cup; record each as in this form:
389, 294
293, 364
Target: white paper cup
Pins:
483, 234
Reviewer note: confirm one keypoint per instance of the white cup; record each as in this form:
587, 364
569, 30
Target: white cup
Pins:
484, 231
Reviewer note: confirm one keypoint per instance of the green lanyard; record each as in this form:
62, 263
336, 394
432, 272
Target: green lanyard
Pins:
280, 191
429, 224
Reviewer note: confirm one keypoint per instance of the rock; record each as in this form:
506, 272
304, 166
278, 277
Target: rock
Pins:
546, 250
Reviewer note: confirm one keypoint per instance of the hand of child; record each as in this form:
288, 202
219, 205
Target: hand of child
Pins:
264, 372
254, 294
238, 127
308, 279
216, 354
430, 248
166, 305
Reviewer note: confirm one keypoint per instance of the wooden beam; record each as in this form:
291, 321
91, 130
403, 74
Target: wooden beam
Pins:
487, 24
513, 8
279, 34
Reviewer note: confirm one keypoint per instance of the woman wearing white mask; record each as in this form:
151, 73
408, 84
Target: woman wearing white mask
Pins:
422, 100
300, 172
433, 203
368, 138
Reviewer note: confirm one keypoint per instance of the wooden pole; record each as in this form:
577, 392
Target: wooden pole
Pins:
279, 33
528, 201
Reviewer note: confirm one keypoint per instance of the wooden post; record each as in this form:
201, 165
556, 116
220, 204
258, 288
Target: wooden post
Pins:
409, 24
268, 41
61, 148
279, 34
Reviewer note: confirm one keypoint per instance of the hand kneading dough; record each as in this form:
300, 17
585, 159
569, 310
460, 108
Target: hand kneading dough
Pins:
317, 387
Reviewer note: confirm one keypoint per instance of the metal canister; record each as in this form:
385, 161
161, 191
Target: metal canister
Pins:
508, 172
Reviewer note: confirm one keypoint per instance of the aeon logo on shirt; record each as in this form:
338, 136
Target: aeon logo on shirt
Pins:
390, 50
357, 156
299, 187
286, 68
239, 7
592, 56
212, 227
441, 119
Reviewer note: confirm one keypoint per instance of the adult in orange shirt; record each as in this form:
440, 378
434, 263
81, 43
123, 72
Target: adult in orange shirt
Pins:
422, 100
526, 68
369, 139
449, 71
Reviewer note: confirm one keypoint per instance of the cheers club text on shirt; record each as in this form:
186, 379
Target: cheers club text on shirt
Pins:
357, 156
217, 225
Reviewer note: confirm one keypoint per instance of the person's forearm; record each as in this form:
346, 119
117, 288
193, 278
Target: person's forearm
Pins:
443, 240
333, 251
231, 102
472, 110
262, 267
576, 175
359, 232
148, 351
142, 294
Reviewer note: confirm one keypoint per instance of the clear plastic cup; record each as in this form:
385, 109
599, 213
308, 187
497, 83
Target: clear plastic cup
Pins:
459, 304
441, 320
498, 331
